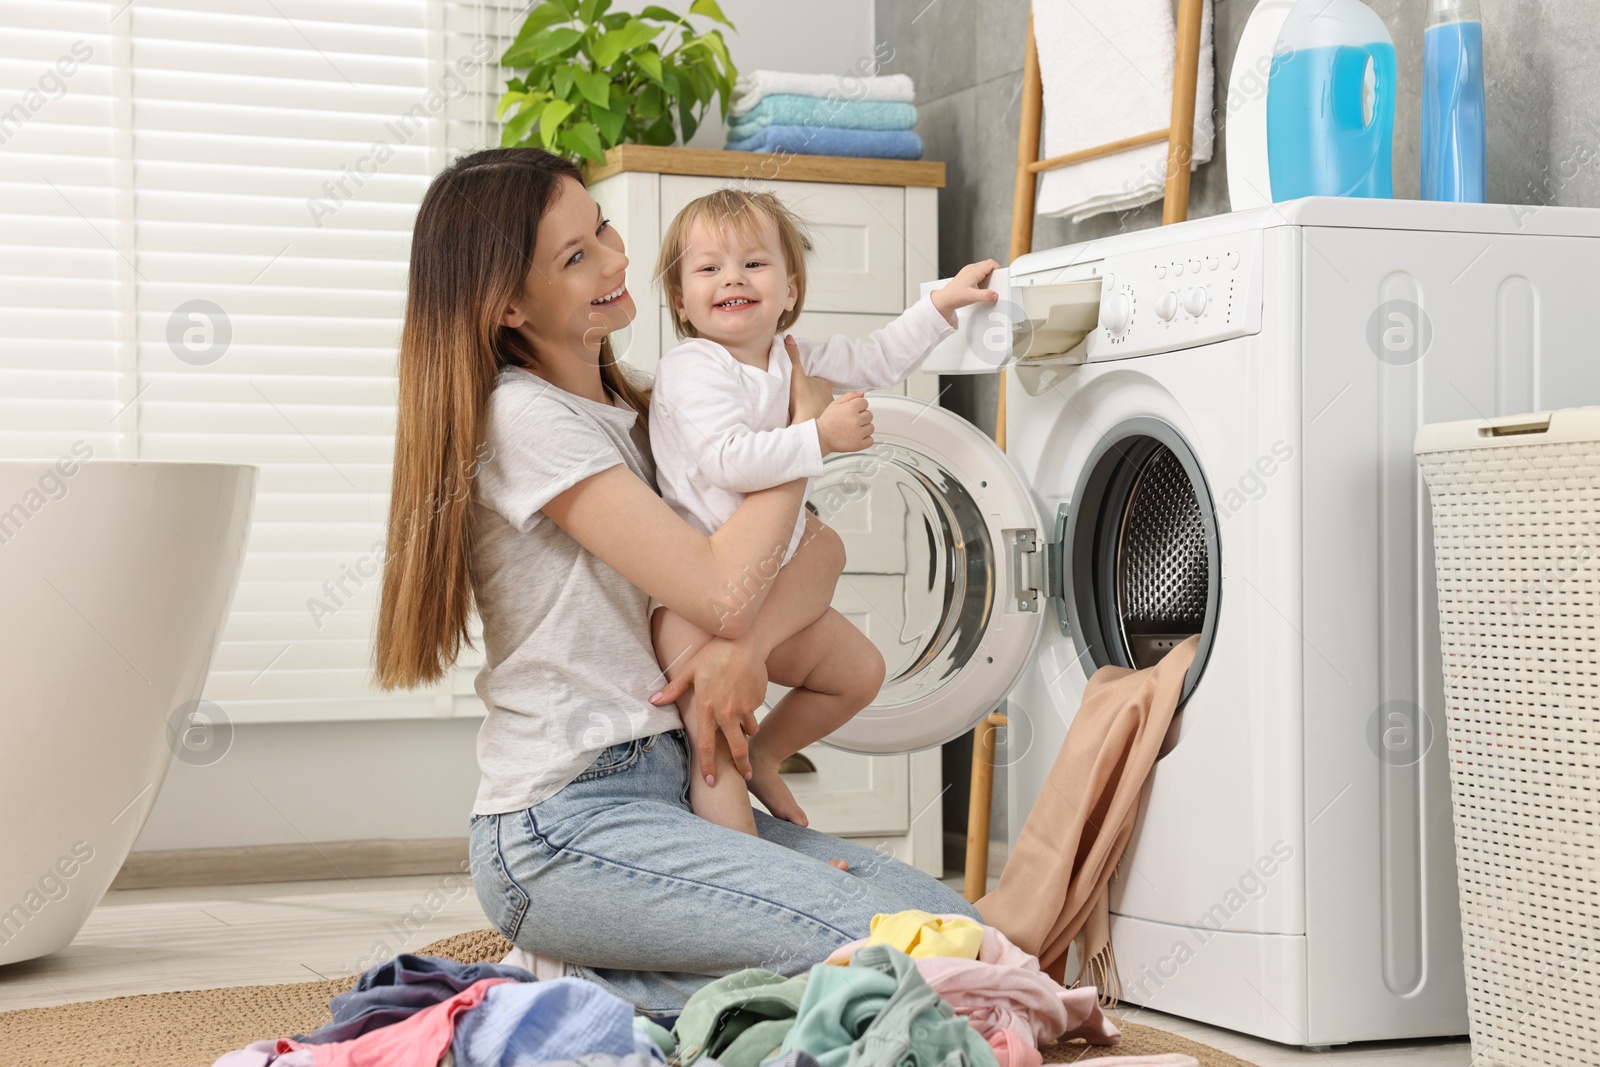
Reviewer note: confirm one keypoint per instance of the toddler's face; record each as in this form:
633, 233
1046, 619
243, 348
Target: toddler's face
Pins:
735, 286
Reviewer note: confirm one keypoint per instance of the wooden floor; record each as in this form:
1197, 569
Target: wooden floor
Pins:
157, 940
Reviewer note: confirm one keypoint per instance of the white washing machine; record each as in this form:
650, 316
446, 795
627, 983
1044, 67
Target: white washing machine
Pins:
1210, 431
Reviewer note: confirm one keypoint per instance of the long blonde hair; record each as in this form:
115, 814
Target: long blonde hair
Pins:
470, 253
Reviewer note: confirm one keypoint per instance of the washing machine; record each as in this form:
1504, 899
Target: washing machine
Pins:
1210, 432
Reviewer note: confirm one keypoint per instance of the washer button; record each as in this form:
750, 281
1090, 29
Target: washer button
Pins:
1233, 260
1194, 266
1211, 263
1177, 270
1161, 270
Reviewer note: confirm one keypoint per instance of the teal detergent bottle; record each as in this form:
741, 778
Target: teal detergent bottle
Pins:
1330, 103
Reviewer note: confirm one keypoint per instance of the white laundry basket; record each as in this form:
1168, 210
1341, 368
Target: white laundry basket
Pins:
1516, 533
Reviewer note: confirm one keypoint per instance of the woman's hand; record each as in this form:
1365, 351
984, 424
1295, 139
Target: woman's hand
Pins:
730, 681
808, 397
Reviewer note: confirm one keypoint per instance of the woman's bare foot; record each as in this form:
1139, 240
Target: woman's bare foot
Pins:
768, 786
841, 864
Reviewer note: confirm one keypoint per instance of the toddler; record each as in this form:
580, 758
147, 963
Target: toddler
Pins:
733, 267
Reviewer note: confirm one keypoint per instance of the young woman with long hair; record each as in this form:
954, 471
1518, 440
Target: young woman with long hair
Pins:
523, 485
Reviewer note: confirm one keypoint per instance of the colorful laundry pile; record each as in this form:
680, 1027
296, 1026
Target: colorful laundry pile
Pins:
991, 983
421, 1011
921, 991
824, 115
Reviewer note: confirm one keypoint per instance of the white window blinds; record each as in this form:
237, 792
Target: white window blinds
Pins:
206, 213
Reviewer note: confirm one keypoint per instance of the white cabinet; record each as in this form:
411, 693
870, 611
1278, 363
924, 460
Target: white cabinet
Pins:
874, 246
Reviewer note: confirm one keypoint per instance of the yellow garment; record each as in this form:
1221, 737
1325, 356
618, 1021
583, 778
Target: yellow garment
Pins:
919, 934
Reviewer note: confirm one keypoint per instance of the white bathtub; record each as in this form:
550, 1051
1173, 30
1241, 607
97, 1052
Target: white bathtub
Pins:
115, 581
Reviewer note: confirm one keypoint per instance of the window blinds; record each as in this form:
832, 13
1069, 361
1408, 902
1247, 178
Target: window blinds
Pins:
206, 217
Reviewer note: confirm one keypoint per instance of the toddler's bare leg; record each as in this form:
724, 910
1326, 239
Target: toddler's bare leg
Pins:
727, 803
836, 671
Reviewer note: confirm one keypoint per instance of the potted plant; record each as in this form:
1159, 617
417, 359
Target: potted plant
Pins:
593, 79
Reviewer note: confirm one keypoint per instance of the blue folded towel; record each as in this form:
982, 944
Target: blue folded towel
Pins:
827, 141
790, 109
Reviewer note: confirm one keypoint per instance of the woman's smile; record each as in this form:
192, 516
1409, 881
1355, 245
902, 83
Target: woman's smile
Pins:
612, 297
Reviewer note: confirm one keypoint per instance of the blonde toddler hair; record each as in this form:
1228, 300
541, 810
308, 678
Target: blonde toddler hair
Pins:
745, 212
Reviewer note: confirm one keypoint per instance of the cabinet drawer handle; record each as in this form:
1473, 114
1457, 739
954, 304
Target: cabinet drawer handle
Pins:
799, 763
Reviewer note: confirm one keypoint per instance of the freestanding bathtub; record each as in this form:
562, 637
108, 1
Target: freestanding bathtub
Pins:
115, 581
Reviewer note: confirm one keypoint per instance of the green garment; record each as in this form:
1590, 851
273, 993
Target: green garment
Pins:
740, 1019
655, 1032
880, 1012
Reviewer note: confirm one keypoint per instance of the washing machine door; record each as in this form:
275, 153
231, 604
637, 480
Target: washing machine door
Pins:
943, 556
1140, 551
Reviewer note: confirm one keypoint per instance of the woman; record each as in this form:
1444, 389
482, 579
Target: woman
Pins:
522, 481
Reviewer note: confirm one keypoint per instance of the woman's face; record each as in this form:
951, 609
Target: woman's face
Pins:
575, 292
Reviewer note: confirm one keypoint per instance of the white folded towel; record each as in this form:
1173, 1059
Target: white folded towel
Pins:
752, 86
1106, 66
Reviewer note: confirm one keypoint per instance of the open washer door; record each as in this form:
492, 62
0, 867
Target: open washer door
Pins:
943, 562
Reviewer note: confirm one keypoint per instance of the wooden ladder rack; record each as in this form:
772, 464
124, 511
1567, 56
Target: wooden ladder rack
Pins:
1179, 135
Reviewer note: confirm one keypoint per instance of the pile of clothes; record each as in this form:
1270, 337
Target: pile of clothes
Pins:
921, 991
824, 115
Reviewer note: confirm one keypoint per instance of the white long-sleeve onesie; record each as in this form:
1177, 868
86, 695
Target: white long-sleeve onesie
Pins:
720, 429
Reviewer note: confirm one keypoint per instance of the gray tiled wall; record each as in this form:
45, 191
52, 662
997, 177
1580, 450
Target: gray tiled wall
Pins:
1542, 75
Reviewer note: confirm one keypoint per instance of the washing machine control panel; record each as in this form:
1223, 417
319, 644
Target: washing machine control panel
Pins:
1169, 297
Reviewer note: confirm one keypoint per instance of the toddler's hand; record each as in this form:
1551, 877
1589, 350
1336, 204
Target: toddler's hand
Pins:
846, 426
965, 288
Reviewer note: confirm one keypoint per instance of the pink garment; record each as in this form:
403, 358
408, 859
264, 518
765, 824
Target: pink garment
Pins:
1012, 1051
264, 1054
1004, 990
418, 1041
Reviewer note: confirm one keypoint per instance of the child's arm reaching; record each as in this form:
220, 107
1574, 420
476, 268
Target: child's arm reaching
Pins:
888, 355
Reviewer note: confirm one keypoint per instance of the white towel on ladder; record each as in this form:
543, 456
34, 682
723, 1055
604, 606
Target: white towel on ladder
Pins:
1106, 67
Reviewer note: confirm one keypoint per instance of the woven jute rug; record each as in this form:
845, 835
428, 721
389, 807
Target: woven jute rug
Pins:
191, 1029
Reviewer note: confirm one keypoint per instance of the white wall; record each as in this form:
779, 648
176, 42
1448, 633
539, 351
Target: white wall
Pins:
293, 783
305, 782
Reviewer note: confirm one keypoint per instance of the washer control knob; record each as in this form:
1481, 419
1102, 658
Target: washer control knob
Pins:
1194, 301
1167, 306
1115, 311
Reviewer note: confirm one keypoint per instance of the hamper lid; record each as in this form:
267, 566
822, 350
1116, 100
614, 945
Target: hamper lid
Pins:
1538, 427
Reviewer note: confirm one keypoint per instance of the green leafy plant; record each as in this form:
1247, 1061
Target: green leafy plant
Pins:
595, 79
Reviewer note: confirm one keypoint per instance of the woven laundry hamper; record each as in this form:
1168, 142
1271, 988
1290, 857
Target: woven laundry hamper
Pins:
1516, 534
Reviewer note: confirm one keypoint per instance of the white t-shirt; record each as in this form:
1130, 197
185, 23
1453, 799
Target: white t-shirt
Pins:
719, 428
568, 667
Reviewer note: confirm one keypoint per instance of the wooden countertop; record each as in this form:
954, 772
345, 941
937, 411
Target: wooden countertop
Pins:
765, 166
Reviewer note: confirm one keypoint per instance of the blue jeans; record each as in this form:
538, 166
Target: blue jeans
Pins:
617, 875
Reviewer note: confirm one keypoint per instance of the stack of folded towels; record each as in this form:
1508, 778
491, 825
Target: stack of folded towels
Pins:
824, 115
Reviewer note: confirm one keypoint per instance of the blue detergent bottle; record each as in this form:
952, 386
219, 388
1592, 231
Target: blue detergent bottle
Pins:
1454, 163
1330, 103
